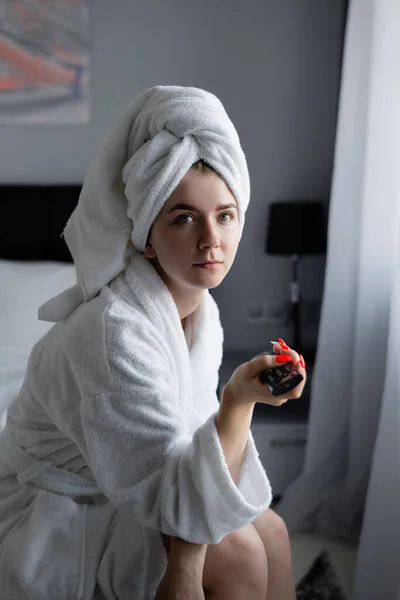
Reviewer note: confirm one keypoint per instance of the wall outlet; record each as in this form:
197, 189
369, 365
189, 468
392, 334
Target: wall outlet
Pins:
266, 313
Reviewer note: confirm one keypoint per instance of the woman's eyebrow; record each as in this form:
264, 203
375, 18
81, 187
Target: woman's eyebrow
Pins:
189, 207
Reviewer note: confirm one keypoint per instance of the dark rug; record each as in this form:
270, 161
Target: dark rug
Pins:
320, 582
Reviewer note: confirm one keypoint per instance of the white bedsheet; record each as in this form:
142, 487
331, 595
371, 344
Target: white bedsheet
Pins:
24, 287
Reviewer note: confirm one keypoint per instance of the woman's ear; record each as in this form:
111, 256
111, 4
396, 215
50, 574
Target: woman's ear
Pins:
149, 251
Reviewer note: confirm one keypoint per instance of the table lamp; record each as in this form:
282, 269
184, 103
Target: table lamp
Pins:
296, 228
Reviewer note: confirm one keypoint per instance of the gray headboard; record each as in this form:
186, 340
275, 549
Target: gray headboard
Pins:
32, 220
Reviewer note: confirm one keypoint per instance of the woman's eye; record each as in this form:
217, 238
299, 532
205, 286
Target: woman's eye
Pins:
179, 219
229, 214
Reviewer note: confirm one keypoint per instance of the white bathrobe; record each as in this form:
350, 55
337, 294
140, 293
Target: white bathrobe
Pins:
111, 441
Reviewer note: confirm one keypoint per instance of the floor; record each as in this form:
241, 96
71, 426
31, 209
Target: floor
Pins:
306, 547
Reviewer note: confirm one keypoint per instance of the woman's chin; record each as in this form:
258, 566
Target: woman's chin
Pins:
209, 279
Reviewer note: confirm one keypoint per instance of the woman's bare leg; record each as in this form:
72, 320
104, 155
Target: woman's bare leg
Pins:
274, 535
236, 568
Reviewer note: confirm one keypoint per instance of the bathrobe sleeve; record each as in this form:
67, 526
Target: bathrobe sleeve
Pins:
132, 439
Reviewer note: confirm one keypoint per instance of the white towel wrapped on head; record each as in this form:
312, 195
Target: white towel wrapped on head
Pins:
154, 143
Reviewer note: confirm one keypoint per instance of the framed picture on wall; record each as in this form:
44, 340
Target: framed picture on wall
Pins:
44, 61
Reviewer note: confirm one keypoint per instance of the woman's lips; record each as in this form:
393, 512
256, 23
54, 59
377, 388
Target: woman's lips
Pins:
209, 265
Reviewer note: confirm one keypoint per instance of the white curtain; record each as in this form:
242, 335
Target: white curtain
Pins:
350, 486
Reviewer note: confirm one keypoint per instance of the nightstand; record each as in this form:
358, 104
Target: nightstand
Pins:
280, 433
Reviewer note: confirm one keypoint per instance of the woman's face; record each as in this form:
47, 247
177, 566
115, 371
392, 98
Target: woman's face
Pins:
206, 229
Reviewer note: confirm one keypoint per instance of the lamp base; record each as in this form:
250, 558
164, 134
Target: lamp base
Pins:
295, 299
297, 342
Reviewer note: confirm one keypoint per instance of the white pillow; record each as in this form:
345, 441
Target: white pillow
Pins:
24, 287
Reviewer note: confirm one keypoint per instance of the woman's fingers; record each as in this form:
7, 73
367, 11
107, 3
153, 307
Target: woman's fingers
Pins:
280, 347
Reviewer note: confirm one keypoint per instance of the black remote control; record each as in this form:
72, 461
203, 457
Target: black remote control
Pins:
281, 379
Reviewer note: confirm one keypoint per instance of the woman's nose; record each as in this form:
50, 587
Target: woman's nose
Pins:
210, 239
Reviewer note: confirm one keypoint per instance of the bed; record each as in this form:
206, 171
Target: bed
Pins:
35, 264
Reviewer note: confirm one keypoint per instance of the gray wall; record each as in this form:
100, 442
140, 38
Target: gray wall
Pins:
275, 66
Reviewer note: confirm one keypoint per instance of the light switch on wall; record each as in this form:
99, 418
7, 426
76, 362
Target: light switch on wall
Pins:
267, 313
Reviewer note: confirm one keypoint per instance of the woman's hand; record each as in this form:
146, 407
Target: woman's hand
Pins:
245, 385
178, 584
184, 574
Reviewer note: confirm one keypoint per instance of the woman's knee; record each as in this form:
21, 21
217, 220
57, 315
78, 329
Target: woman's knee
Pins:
238, 561
246, 550
278, 525
273, 532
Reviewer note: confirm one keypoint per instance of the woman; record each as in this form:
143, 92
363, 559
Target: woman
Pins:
116, 446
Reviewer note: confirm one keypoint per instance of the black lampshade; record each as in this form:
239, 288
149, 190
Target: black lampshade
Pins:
296, 227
